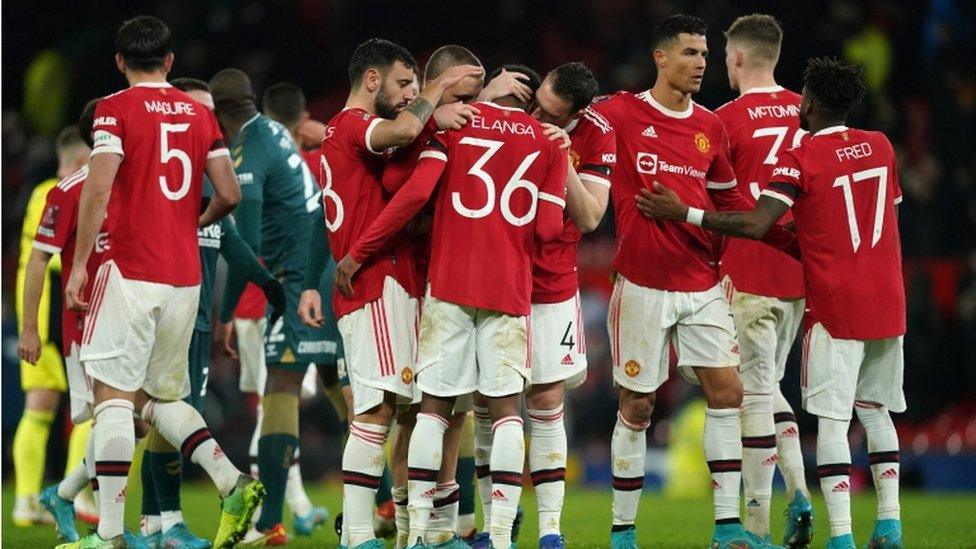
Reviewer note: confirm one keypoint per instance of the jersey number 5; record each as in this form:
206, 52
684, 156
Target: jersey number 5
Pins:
514, 183
166, 154
844, 182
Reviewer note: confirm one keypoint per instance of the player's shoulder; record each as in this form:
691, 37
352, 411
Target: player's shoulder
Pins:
595, 121
705, 117
73, 183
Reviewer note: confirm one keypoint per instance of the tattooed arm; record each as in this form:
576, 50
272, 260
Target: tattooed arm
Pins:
403, 129
664, 204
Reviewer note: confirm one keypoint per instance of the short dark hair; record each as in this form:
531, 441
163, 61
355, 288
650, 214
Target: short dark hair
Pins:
377, 53
761, 32
446, 57
575, 83
284, 102
143, 42
834, 86
533, 82
68, 137
187, 83
669, 29
86, 122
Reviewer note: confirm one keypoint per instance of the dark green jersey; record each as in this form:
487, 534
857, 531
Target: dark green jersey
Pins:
277, 191
222, 238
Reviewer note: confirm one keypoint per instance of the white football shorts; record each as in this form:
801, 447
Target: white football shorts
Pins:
250, 350
766, 327
558, 343
464, 349
837, 372
644, 322
137, 334
381, 345
79, 387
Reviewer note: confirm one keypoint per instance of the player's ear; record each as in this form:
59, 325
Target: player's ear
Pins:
660, 58
120, 63
372, 79
168, 62
739, 58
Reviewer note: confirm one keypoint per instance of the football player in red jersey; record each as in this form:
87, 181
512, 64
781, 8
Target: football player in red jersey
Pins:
765, 286
152, 146
502, 185
667, 288
842, 185
558, 333
377, 323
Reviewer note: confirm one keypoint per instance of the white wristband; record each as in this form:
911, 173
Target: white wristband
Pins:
695, 216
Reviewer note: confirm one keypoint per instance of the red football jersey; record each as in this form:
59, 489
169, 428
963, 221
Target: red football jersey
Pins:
500, 171
56, 234
413, 251
684, 151
352, 195
761, 124
842, 184
594, 154
165, 139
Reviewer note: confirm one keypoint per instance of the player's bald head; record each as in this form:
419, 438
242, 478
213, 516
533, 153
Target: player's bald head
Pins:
231, 89
446, 57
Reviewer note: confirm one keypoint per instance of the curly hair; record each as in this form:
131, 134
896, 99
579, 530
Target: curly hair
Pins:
834, 86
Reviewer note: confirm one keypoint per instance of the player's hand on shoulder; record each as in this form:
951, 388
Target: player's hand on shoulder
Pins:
505, 84
225, 335
661, 203
274, 292
29, 346
555, 133
454, 116
345, 270
310, 308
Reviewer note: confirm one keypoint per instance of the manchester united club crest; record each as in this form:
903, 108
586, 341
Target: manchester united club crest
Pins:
575, 158
632, 368
406, 376
702, 142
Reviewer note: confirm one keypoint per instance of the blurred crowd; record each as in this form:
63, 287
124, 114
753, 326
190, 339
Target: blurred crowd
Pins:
918, 58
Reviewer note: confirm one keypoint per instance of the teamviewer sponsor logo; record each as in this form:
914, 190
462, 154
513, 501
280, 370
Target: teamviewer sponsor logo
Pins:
647, 163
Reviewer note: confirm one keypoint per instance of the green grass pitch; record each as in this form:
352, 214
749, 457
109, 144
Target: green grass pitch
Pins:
937, 521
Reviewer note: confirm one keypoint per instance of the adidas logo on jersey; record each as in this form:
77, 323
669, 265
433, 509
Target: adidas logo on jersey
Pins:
771, 460
498, 495
567, 360
649, 132
789, 432
890, 474
842, 486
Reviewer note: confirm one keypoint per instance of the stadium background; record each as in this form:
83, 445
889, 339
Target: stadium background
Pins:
920, 65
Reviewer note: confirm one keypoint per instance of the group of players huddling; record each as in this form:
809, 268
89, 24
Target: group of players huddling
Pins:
450, 206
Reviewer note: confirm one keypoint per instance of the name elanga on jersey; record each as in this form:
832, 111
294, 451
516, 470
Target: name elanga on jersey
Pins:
773, 111
503, 126
169, 107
